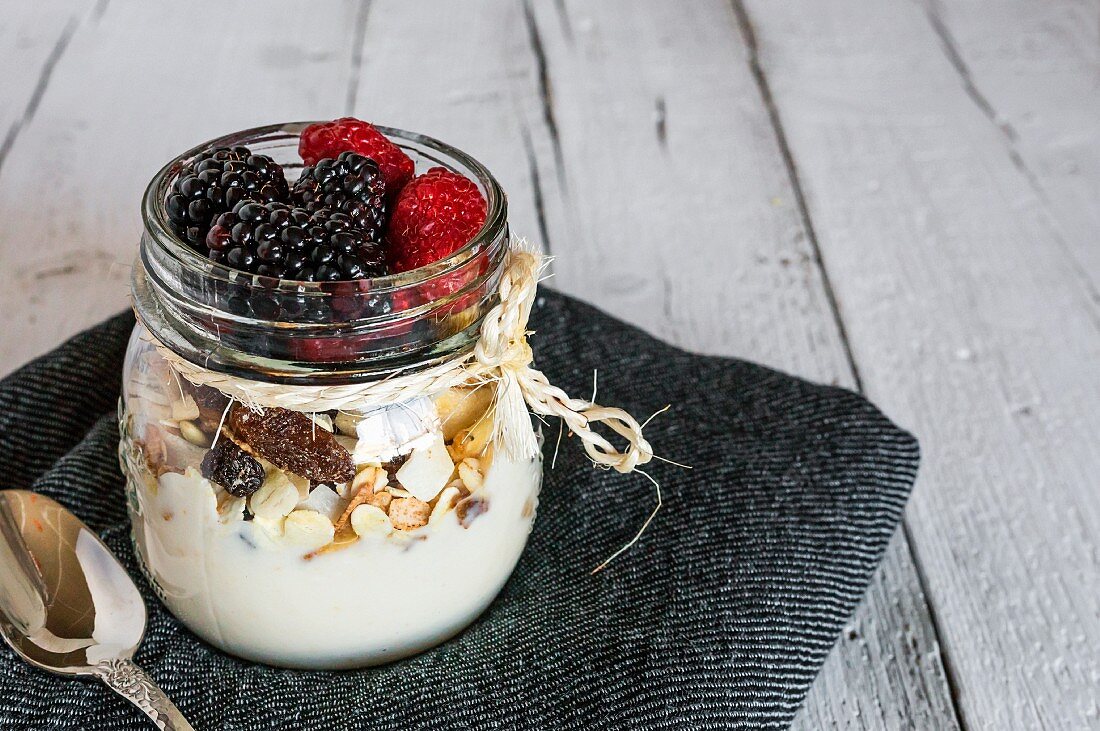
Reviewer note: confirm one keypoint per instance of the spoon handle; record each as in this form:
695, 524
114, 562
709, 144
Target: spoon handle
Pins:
132, 683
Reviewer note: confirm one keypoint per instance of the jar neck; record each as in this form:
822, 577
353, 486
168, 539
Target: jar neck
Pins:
317, 333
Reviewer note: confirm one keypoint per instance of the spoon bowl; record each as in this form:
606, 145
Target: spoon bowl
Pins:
68, 606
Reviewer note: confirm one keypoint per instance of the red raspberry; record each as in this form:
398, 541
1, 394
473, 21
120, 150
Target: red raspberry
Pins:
329, 139
436, 214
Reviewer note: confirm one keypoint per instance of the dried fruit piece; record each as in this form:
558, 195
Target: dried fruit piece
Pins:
211, 403
409, 513
229, 466
292, 442
470, 508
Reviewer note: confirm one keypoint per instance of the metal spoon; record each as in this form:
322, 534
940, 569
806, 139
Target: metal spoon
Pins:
68, 606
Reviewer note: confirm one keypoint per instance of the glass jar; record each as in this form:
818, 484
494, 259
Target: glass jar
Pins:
378, 529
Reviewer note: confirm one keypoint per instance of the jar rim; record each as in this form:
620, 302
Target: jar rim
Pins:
375, 326
155, 214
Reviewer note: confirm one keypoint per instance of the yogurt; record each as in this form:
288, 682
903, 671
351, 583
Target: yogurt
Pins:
241, 588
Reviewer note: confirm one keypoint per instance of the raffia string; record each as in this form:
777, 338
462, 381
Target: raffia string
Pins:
501, 356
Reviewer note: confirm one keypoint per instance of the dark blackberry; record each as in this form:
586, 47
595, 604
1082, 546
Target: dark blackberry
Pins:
215, 182
231, 467
350, 184
279, 241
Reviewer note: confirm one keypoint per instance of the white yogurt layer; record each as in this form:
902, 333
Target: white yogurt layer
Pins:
250, 591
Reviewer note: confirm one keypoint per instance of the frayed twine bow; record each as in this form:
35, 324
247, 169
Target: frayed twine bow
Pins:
501, 356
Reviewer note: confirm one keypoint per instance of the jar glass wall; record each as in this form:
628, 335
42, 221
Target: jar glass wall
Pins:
327, 538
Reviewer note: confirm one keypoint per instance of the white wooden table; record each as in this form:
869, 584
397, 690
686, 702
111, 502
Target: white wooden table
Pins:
898, 196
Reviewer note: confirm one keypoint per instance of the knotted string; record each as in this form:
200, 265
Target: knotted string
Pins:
501, 356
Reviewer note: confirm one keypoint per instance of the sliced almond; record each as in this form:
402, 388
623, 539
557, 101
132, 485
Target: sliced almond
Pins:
193, 434
443, 504
276, 498
308, 528
469, 471
366, 482
368, 519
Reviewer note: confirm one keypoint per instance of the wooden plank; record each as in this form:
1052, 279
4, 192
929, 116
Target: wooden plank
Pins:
1031, 68
613, 184
970, 322
141, 84
30, 46
462, 80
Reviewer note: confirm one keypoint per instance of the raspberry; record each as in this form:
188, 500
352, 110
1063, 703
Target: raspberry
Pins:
436, 214
277, 240
329, 139
216, 181
350, 184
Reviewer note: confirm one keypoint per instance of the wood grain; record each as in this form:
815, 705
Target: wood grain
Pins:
681, 217
30, 46
126, 95
1032, 68
970, 322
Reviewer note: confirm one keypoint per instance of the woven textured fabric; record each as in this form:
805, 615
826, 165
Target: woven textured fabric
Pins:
718, 618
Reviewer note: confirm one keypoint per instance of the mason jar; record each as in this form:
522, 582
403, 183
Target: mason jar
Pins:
345, 534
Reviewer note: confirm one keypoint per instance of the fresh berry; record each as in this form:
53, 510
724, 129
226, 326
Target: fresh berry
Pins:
228, 465
350, 184
329, 139
216, 181
277, 240
436, 214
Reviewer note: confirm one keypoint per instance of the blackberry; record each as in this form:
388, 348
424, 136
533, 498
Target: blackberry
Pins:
350, 184
215, 182
234, 469
280, 241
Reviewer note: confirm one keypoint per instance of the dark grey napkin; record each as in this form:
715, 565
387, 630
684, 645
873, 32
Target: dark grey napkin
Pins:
719, 618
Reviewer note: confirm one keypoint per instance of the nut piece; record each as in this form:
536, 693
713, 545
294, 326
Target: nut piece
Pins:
276, 498
443, 505
381, 500
369, 519
469, 471
346, 422
409, 513
461, 408
185, 409
364, 485
193, 434
474, 440
308, 529
230, 508
427, 470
